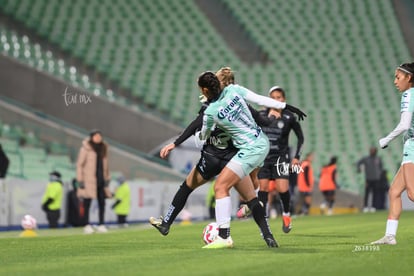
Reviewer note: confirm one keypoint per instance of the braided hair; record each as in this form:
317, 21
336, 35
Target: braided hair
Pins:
210, 81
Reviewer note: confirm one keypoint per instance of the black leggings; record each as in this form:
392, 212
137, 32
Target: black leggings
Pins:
101, 206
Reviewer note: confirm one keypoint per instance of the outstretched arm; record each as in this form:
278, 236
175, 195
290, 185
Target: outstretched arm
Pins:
269, 102
190, 130
260, 119
403, 126
262, 100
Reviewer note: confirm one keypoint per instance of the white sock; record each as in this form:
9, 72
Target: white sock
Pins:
286, 214
392, 226
257, 191
223, 212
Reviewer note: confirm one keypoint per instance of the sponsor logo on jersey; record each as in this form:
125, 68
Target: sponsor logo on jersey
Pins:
224, 112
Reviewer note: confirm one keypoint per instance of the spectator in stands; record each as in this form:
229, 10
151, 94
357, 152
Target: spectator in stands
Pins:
92, 175
373, 168
52, 199
122, 202
4, 164
328, 185
305, 183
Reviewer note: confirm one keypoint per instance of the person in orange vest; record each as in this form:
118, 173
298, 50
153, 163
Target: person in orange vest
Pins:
327, 185
305, 183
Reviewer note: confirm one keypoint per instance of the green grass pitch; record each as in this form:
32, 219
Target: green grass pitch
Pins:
317, 245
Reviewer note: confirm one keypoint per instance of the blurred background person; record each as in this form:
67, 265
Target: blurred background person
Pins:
211, 201
122, 204
373, 169
52, 199
92, 175
4, 164
305, 184
75, 212
328, 185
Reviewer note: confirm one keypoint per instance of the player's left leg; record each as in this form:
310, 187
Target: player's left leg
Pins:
408, 169
282, 186
395, 207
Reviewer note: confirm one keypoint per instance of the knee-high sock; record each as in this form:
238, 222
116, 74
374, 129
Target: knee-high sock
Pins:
259, 215
177, 203
263, 197
285, 200
392, 227
223, 216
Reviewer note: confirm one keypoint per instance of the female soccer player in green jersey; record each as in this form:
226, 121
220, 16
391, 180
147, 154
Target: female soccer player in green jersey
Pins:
404, 179
228, 110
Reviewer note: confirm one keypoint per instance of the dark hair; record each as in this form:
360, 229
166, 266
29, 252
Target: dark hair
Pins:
332, 161
407, 68
280, 90
210, 81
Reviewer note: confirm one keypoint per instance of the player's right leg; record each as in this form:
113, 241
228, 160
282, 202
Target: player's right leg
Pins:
163, 223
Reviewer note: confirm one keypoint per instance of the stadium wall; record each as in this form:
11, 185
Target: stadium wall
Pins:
122, 159
52, 96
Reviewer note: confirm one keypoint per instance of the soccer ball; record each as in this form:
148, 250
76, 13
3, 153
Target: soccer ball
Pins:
210, 232
29, 222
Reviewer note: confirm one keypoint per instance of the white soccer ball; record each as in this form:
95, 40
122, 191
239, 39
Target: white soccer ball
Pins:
29, 222
210, 232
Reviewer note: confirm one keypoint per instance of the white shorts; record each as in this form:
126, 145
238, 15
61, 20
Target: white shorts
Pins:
250, 157
408, 152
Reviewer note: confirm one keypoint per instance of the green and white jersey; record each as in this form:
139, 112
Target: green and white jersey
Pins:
407, 105
231, 114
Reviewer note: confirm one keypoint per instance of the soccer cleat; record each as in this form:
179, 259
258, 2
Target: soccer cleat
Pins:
386, 240
88, 229
271, 242
219, 242
287, 225
244, 211
158, 223
101, 229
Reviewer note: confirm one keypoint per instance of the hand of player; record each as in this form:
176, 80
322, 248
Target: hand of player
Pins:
297, 111
295, 162
166, 150
383, 143
275, 113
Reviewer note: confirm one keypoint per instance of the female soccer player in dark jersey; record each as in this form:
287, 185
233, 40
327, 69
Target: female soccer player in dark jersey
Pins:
277, 165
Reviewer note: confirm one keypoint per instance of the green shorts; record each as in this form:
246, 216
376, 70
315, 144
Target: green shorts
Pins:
250, 156
408, 151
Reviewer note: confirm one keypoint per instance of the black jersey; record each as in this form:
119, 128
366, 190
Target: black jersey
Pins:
219, 144
278, 134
